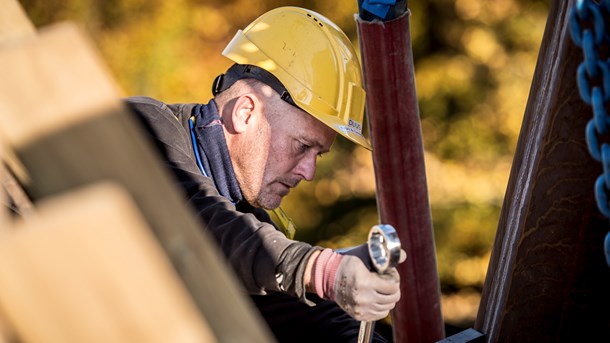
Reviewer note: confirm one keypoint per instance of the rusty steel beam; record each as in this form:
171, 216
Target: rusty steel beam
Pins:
548, 280
398, 158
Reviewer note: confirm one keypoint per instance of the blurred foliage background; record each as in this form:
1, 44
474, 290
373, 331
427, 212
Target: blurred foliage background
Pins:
474, 61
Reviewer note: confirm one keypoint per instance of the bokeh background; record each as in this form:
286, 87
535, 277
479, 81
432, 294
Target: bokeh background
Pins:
474, 61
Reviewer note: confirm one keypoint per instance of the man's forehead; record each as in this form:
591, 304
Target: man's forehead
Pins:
316, 133
302, 125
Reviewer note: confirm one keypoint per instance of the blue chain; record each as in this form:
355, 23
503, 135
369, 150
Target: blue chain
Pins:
587, 22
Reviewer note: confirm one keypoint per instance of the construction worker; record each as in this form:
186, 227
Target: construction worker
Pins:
295, 84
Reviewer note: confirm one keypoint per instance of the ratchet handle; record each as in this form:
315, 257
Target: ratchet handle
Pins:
365, 335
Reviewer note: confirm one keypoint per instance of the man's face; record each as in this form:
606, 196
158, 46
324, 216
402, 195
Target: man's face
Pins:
283, 152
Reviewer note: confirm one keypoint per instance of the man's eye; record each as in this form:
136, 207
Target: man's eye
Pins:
303, 147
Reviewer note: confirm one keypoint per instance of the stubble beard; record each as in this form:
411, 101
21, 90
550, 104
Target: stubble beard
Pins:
265, 197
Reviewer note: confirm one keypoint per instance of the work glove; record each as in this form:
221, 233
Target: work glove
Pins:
361, 293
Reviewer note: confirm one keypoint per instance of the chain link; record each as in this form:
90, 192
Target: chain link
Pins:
588, 20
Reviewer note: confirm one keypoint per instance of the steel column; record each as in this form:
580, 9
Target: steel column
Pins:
398, 158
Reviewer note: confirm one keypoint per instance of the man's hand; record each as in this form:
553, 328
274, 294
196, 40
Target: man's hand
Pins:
363, 294
347, 280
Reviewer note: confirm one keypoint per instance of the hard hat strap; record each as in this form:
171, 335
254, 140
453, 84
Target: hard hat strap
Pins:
246, 71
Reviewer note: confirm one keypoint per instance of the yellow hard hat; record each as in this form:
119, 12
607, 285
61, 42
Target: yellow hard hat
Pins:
313, 59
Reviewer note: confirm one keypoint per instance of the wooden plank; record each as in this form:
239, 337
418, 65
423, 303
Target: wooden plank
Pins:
80, 133
87, 269
14, 23
547, 279
34, 107
13, 194
6, 331
4, 213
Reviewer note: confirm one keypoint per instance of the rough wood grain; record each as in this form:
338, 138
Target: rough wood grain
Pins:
14, 23
87, 269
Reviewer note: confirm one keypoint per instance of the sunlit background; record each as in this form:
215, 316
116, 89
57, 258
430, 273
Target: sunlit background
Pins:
474, 61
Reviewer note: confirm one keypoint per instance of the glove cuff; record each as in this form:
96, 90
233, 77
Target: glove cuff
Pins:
325, 271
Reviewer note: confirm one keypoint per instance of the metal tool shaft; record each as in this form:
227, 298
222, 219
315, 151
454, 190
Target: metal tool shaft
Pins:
365, 335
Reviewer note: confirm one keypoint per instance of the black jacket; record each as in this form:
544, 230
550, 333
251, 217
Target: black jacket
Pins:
261, 256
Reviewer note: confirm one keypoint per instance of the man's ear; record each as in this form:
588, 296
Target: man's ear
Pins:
243, 112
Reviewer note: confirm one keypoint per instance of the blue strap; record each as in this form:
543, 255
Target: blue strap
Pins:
384, 10
195, 148
380, 8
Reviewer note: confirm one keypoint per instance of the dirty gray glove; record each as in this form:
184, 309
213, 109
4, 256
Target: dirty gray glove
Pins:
345, 279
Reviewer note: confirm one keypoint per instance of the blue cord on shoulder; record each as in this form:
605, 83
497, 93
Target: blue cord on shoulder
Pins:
197, 156
195, 149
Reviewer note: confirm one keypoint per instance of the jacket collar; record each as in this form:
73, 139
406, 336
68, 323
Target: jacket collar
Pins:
214, 151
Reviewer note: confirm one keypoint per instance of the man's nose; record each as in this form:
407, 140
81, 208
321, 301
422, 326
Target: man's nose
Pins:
306, 167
